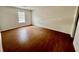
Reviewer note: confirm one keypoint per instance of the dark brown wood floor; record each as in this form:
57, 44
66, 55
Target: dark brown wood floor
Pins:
36, 39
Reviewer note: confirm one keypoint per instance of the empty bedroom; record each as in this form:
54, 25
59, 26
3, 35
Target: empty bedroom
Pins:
38, 28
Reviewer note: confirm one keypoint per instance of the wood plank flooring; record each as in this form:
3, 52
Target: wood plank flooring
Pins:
36, 39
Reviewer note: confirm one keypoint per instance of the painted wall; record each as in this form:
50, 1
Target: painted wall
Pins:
56, 18
9, 18
76, 39
0, 43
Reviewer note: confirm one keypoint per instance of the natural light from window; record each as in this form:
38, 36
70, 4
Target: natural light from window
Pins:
21, 17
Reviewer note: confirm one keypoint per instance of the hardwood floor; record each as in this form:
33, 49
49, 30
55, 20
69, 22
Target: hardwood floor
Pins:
36, 39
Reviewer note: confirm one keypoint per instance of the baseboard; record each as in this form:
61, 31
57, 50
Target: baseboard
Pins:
67, 34
14, 28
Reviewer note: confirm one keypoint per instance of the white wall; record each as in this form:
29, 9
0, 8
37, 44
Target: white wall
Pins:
56, 18
9, 18
59, 18
76, 39
0, 43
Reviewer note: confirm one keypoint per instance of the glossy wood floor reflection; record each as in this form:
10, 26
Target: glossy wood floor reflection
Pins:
36, 39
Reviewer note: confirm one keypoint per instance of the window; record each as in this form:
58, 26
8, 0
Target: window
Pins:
21, 16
